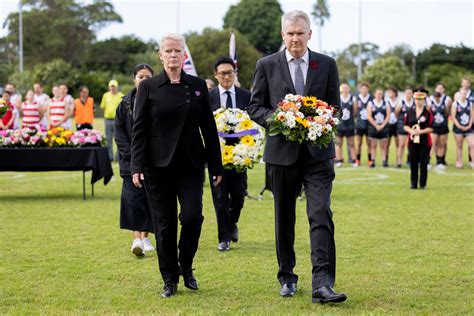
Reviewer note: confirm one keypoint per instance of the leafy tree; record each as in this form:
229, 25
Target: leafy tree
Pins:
320, 15
113, 54
58, 28
206, 47
439, 54
450, 75
402, 51
56, 71
387, 71
348, 59
259, 21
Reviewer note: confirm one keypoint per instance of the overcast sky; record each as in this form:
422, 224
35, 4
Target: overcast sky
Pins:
384, 22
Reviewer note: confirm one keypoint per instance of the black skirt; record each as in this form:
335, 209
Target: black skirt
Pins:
134, 211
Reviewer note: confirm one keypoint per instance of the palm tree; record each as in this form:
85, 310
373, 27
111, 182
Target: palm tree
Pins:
320, 15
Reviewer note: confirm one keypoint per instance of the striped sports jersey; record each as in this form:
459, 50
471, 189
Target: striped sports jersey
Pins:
57, 110
31, 116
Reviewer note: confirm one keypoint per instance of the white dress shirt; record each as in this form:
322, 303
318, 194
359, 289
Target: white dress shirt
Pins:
292, 65
223, 95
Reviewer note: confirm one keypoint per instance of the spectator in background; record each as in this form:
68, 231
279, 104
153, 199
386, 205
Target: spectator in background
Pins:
462, 113
346, 129
58, 111
378, 115
6, 121
69, 102
84, 109
210, 84
31, 111
441, 108
400, 111
42, 99
392, 101
15, 100
134, 209
363, 99
110, 102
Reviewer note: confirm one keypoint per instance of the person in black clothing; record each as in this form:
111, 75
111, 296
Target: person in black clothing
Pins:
378, 115
134, 211
418, 125
228, 197
172, 119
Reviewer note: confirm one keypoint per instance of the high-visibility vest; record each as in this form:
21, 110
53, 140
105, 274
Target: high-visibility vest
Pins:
84, 113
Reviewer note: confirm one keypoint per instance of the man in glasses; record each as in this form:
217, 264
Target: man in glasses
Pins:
229, 196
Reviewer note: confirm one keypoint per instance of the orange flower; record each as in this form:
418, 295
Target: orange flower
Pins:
319, 120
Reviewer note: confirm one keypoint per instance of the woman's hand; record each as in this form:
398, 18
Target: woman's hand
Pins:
216, 180
137, 179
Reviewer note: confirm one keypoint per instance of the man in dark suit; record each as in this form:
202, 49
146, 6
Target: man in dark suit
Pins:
230, 195
174, 135
298, 70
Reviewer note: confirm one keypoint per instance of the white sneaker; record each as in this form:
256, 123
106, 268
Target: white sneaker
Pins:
137, 247
440, 166
147, 246
355, 165
429, 167
338, 164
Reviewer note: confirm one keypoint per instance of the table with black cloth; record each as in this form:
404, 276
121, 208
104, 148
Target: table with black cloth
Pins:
93, 159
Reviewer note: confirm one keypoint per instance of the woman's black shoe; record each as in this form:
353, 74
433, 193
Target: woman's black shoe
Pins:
169, 290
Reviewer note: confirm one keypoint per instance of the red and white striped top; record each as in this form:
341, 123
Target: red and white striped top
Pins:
31, 117
57, 110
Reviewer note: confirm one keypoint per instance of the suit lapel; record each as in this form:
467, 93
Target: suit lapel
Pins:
285, 71
311, 72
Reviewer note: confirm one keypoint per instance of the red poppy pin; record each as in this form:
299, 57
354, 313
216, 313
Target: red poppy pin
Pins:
313, 64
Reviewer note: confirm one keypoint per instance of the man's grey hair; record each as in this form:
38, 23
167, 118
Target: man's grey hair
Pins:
294, 16
174, 37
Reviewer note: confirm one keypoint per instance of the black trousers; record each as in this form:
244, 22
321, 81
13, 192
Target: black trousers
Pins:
165, 186
419, 158
286, 182
228, 200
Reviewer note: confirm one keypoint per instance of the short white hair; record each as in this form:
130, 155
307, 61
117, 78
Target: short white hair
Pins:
294, 16
174, 37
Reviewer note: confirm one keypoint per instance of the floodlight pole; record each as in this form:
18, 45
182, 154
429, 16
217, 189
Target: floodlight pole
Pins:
359, 65
20, 36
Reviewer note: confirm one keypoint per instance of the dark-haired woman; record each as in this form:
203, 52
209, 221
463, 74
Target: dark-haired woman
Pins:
441, 108
134, 212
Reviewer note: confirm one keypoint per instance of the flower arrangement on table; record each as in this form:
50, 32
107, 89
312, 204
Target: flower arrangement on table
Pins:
87, 138
304, 119
241, 139
55, 137
25, 137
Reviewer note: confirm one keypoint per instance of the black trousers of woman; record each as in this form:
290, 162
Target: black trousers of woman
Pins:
165, 187
419, 158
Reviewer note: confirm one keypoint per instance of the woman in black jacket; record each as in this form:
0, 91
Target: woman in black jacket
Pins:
134, 211
174, 136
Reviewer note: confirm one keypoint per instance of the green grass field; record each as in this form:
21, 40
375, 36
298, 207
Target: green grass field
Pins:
399, 251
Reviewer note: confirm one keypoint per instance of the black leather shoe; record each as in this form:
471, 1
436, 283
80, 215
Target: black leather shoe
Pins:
169, 290
235, 233
189, 280
326, 294
288, 290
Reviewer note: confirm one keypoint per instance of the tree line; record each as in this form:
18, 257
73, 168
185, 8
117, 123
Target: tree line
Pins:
60, 45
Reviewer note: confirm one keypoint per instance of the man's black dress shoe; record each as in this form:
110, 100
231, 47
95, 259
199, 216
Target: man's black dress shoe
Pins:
235, 233
288, 290
326, 294
169, 290
189, 280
